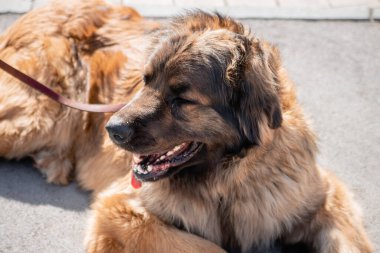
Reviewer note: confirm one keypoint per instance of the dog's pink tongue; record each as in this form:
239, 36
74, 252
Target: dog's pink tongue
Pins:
135, 183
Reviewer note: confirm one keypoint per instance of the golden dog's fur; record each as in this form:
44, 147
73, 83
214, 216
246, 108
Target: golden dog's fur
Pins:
88, 52
269, 190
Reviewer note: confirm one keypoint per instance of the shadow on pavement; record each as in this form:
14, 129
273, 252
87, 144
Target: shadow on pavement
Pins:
21, 182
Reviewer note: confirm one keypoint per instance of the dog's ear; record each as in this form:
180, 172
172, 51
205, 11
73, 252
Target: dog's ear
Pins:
256, 93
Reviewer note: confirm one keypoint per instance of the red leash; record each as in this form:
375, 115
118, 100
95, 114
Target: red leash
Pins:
55, 96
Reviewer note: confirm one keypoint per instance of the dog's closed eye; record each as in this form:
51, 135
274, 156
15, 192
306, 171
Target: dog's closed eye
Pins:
178, 101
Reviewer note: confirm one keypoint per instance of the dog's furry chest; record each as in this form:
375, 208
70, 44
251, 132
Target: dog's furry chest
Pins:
235, 223
196, 215
239, 216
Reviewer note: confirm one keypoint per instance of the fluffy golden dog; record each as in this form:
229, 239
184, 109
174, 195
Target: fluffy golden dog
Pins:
219, 156
89, 52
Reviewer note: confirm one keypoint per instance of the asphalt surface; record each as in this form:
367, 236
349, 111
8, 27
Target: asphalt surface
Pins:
336, 66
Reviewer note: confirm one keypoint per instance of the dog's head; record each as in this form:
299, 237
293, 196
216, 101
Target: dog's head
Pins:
209, 86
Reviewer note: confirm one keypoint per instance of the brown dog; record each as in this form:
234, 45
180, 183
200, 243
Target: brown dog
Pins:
218, 139
89, 52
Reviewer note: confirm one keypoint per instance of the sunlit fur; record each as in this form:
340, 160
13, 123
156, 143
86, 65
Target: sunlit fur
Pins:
264, 185
89, 52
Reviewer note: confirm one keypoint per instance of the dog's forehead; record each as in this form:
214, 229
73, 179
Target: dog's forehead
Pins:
166, 51
187, 53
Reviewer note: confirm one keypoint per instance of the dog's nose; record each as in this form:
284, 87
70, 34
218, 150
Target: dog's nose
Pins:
120, 133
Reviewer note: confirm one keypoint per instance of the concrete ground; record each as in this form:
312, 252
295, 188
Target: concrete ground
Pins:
295, 9
336, 67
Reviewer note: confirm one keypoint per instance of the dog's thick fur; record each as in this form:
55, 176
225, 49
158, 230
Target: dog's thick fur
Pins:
89, 52
205, 78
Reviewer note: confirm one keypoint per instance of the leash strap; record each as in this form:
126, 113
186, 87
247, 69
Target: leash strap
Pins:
55, 96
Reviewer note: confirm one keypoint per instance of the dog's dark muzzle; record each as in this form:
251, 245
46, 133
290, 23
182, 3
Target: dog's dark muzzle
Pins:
128, 124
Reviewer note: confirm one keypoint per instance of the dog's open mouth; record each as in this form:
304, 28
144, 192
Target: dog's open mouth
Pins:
155, 166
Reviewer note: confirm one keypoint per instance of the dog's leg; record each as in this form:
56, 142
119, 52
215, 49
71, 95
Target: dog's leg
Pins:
55, 166
337, 227
120, 224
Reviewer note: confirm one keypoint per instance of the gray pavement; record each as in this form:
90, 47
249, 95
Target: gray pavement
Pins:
284, 9
336, 66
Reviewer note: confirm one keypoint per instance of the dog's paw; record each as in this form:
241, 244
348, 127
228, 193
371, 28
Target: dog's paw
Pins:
55, 168
107, 225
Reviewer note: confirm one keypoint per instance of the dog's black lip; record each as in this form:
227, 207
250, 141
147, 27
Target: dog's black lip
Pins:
171, 170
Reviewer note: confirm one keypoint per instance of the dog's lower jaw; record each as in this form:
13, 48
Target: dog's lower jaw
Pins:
156, 166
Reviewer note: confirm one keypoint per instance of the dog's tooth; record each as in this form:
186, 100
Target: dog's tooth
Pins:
150, 168
176, 148
170, 153
162, 157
